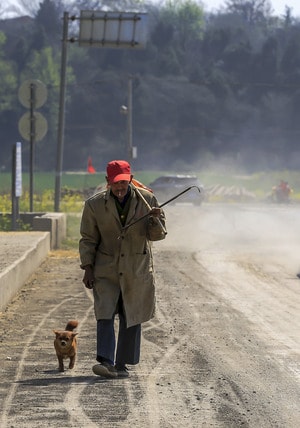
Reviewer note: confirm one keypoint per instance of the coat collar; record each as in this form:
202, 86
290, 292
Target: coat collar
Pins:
111, 206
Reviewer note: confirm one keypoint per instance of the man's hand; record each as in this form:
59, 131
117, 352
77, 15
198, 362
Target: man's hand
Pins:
155, 212
88, 278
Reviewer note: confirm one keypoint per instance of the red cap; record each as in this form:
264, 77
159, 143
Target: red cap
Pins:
118, 170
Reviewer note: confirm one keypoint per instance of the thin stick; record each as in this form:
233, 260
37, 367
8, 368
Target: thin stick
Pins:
149, 208
179, 194
160, 206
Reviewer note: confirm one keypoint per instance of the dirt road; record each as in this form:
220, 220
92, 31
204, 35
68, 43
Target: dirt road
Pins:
223, 350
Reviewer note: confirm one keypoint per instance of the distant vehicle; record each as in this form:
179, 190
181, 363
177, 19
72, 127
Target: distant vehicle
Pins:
167, 186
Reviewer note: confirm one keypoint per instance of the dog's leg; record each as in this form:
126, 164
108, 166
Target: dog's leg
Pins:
60, 363
72, 362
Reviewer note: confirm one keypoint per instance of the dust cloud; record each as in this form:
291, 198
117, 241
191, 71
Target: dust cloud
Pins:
261, 232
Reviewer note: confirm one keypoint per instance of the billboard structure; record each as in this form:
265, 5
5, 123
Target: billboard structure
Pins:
113, 29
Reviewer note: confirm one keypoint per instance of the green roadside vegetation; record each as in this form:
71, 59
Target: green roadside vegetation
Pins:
73, 235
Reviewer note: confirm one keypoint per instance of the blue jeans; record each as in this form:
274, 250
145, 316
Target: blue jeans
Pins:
128, 343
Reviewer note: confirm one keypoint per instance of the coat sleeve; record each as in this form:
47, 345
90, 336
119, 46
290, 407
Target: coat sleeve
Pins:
156, 230
90, 236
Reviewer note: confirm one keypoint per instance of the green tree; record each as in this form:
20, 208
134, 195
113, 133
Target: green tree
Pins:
186, 19
49, 19
8, 79
179, 27
44, 65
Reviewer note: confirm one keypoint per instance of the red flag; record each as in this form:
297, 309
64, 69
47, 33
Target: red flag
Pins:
90, 168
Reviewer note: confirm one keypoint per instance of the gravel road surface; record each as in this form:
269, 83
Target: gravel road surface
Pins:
222, 351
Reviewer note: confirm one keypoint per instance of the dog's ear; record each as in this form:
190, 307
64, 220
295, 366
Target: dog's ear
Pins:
74, 334
56, 332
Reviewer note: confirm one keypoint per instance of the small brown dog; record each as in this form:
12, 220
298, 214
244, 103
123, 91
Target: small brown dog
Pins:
65, 344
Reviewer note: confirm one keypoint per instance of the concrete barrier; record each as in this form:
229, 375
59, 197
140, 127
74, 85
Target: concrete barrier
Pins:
23, 252
55, 223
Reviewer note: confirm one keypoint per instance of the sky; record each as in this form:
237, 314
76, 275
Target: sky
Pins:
277, 5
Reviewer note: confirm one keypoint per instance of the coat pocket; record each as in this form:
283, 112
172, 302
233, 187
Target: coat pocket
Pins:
104, 265
143, 264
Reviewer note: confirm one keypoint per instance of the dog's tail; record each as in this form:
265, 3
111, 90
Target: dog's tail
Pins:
71, 325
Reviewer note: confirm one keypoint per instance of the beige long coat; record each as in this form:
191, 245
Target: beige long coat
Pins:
122, 259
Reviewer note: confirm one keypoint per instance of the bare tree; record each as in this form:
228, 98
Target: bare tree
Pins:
252, 11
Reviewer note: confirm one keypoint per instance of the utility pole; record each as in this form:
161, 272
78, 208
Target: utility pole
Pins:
32, 142
61, 119
129, 121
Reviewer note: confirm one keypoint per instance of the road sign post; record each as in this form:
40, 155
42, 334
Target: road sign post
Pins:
16, 183
32, 125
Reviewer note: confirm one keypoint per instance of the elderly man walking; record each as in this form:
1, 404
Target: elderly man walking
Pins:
117, 227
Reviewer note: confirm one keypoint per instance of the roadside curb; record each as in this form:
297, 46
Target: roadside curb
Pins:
24, 260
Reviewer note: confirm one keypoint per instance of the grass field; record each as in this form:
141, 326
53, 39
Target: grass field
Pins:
74, 186
46, 181
258, 182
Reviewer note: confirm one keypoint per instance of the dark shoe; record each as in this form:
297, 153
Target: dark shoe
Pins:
122, 371
105, 370
298, 275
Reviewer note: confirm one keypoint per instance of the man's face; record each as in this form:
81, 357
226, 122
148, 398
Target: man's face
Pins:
119, 189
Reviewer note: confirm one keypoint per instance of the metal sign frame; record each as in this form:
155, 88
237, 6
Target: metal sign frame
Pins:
113, 29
